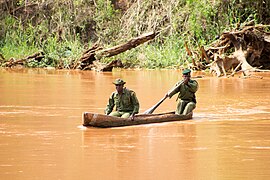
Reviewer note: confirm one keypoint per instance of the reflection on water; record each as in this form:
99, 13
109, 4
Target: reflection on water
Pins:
41, 136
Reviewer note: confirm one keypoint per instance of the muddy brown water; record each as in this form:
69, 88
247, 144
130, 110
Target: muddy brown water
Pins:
41, 136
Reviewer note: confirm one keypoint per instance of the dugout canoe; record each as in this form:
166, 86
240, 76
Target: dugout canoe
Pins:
104, 121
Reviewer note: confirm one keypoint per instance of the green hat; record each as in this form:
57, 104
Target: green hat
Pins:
119, 82
186, 71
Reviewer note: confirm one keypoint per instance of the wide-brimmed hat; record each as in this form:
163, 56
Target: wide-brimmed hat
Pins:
119, 81
186, 71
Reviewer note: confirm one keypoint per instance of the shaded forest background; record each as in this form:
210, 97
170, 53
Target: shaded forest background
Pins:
59, 31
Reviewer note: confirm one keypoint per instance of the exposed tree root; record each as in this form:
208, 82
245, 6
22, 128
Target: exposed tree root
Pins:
247, 49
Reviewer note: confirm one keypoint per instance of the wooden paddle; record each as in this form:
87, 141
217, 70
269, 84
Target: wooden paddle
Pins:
153, 108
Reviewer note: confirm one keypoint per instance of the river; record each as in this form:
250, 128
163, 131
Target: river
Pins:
41, 136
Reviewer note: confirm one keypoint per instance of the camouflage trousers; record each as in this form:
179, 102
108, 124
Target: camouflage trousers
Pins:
185, 107
120, 114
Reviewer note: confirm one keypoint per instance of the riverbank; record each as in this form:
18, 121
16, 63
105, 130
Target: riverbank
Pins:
63, 31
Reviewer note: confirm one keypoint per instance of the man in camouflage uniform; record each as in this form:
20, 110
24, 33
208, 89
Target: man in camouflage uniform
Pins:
186, 89
125, 100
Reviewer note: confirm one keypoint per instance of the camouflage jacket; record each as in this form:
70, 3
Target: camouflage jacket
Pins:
186, 91
127, 102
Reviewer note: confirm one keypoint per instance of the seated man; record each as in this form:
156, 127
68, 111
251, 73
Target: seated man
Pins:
125, 100
186, 89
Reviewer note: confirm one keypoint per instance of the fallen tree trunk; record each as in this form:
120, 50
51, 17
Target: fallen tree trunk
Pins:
95, 53
12, 62
126, 46
87, 58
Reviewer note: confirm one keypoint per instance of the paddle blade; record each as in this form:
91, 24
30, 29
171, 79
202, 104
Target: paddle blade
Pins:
149, 111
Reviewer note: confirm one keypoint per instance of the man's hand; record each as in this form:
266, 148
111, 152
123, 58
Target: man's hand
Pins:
186, 78
166, 95
132, 116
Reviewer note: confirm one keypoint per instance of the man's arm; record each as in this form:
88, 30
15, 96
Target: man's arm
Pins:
192, 86
110, 105
136, 103
174, 90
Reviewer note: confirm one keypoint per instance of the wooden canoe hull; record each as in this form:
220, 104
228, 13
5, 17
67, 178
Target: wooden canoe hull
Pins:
104, 121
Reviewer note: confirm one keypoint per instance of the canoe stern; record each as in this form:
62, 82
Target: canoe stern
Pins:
87, 117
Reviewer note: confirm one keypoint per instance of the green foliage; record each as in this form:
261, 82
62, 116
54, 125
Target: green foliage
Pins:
164, 56
62, 54
21, 41
202, 21
61, 28
170, 55
107, 21
17, 41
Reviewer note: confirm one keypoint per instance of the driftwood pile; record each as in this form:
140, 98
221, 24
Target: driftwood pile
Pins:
244, 50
